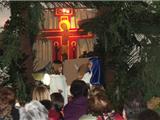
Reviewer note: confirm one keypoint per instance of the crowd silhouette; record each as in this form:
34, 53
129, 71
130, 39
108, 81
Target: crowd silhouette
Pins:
86, 101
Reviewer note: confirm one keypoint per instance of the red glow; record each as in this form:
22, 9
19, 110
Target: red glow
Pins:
64, 35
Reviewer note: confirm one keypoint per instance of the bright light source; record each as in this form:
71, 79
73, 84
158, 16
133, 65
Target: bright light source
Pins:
63, 10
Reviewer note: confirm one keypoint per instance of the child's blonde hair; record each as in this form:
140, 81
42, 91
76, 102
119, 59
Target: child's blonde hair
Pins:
41, 93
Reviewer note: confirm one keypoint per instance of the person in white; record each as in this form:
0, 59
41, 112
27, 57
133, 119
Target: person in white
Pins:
84, 73
58, 81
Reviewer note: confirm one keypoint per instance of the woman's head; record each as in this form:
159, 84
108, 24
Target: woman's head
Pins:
57, 67
7, 95
79, 88
7, 100
98, 104
41, 93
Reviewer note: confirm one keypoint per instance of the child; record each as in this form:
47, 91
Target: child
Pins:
57, 103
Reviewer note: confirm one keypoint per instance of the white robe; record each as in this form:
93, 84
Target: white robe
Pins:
87, 77
58, 83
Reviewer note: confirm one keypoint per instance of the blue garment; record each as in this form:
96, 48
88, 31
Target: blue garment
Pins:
96, 78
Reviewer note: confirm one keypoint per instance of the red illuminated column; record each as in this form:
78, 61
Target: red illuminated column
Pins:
74, 49
56, 49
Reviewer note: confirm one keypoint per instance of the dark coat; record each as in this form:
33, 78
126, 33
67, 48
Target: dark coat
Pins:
15, 113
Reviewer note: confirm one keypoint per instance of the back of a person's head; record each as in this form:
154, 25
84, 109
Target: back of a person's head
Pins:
97, 89
7, 95
148, 115
33, 111
46, 103
7, 100
134, 104
98, 104
57, 101
41, 93
79, 88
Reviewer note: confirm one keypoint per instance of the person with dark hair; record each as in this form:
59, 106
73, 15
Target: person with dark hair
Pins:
57, 101
7, 104
78, 106
79, 88
46, 103
134, 104
148, 115
58, 81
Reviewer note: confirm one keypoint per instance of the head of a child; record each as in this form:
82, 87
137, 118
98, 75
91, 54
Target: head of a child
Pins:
57, 101
57, 67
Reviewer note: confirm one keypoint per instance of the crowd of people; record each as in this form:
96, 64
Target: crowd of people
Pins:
86, 101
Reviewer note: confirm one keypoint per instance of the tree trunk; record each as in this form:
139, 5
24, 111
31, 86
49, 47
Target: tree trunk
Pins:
21, 9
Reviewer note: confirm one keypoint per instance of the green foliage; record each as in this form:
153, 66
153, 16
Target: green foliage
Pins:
10, 48
12, 53
116, 26
25, 19
35, 18
151, 72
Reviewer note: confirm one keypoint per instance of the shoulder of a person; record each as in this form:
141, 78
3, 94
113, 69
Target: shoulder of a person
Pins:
52, 76
15, 110
62, 76
53, 113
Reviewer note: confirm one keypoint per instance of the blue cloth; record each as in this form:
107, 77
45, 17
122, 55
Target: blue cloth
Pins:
96, 78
